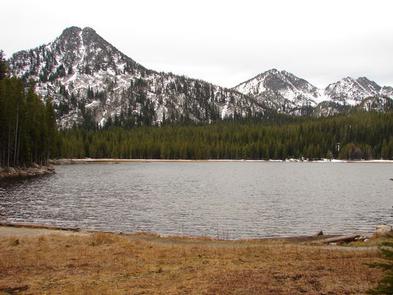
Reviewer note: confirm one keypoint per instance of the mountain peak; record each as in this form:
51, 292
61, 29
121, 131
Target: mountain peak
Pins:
76, 29
89, 29
285, 86
70, 31
271, 71
281, 74
76, 34
91, 35
92, 81
350, 91
348, 78
368, 84
77, 53
364, 79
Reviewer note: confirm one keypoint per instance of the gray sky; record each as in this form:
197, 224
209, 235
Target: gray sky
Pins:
224, 42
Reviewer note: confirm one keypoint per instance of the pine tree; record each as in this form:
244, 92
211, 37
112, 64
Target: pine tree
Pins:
27, 126
3, 66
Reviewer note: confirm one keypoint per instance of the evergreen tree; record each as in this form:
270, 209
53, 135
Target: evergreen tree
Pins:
28, 132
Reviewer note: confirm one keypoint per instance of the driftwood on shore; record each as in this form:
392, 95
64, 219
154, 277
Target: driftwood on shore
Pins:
341, 239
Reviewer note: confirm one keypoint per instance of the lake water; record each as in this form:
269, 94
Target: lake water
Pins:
219, 199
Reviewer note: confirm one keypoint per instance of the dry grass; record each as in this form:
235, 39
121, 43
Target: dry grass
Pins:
146, 264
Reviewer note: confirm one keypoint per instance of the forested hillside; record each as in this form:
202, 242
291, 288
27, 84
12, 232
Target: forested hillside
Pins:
28, 134
356, 136
28, 131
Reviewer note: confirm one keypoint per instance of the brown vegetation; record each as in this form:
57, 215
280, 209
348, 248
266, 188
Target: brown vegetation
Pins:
147, 264
22, 172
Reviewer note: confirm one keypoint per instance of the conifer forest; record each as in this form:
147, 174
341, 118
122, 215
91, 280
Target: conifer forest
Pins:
28, 134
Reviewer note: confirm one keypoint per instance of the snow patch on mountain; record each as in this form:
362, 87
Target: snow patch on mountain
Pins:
287, 93
281, 90
89, 79
352, 91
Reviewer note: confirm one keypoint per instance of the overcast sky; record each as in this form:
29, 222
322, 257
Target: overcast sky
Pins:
224, 42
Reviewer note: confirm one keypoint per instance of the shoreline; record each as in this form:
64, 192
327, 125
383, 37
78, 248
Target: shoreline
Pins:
28, 172
119, 161
297, 238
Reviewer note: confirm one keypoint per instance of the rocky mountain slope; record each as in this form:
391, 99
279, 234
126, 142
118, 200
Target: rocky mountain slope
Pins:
352, 91
287, 93
92, 82
282, 91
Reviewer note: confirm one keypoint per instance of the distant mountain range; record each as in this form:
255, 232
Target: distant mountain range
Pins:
92, 82
287, 93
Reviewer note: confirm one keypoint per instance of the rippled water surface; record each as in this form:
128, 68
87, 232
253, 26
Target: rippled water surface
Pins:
218, 199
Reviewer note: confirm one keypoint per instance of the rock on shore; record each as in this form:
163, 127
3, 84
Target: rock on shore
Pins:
383, 230
35, 170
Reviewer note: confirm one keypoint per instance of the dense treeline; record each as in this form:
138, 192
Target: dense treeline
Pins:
28, 134
27, 125
355, 136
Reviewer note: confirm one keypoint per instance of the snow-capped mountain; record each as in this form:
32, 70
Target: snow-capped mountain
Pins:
352, 91
282, 91
360, 93
90, 80
287, 93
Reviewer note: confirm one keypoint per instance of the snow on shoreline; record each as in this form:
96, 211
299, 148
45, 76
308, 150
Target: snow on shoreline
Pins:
108, 160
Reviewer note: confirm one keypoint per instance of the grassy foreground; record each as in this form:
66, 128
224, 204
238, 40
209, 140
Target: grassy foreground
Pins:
101, 263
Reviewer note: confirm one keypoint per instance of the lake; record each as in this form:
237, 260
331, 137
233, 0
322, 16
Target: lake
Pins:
218, 199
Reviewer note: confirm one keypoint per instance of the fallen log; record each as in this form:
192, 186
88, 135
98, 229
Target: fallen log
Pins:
340, 239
